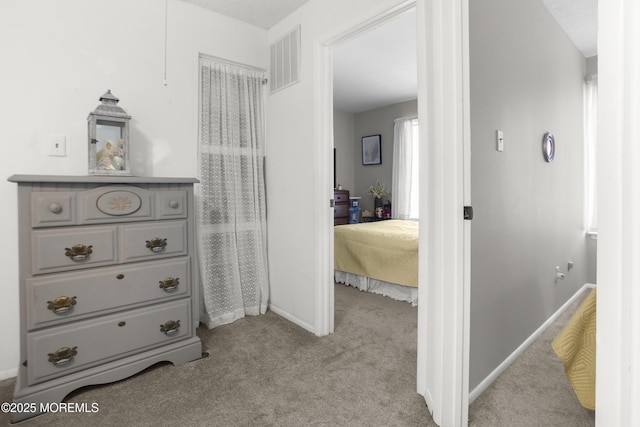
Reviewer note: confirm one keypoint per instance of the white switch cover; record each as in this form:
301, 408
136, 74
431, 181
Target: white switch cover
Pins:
499, 140
58, 145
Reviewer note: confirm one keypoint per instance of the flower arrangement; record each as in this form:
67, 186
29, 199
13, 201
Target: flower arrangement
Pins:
378, 190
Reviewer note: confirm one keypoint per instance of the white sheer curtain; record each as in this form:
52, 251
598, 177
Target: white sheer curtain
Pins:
231, 196
404, 186
591, 149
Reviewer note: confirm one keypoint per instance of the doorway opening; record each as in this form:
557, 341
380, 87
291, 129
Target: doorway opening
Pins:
374, 82
375, 93
442, 343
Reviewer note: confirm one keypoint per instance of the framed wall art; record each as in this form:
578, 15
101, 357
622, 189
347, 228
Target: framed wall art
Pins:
371, 154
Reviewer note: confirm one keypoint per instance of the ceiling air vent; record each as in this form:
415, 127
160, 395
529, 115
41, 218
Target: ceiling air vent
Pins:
285, 61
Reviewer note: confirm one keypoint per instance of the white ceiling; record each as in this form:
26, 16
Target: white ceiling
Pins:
365, 66
378, 68
579, 19
261, 13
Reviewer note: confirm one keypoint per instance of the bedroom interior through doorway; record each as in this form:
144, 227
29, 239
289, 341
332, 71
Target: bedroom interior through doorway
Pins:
357, 34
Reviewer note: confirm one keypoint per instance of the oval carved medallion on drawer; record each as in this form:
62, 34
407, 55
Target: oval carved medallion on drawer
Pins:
118, 203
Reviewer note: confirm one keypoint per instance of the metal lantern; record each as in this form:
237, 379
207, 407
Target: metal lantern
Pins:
109, 138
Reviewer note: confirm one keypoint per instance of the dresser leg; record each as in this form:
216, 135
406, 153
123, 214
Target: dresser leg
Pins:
40, 398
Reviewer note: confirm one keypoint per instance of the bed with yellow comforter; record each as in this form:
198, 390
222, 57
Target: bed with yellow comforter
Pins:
383, 251
575, 345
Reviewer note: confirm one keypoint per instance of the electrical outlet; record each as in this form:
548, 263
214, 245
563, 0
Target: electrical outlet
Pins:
58, 145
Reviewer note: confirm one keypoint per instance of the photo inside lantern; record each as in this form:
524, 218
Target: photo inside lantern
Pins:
110, 146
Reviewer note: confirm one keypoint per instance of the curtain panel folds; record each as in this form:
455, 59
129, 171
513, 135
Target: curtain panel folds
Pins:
591, 152
231, 196
404, 189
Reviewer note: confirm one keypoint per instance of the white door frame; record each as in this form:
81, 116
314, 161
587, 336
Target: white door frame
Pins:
323, 56
443, 108
618, 306
442, 40
443, 104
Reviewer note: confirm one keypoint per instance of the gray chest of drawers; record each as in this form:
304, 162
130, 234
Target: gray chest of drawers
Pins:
108, 281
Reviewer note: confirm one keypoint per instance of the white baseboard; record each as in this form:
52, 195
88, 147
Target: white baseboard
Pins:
9, 373
291, 318
473, 395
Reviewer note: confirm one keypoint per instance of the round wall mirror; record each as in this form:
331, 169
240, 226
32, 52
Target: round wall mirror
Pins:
548, 147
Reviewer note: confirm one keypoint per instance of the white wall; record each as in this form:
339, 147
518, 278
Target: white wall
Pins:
526, 79
59, 57
295, 154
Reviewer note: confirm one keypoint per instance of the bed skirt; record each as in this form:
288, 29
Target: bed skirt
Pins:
380, 287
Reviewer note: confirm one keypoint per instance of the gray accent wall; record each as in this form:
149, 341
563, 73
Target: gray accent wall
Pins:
526, 79
373, 122
592, 65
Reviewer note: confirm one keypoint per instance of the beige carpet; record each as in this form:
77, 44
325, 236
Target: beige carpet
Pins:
266, 371
533, 391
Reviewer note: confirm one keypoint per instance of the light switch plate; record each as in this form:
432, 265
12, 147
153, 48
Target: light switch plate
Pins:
58, 145
499, 140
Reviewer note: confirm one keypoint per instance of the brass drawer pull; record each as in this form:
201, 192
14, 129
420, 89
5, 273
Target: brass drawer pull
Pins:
62, 305
170, 328
62, 356
169, 284
156, 244
78, 252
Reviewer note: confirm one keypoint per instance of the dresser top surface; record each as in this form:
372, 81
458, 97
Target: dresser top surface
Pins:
100, 179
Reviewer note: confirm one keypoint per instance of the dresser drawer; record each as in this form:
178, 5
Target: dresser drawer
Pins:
56, 352
153, 240
341, 210
72, 248
113, 203
341, 196
53, 209
171, 204
67, 297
